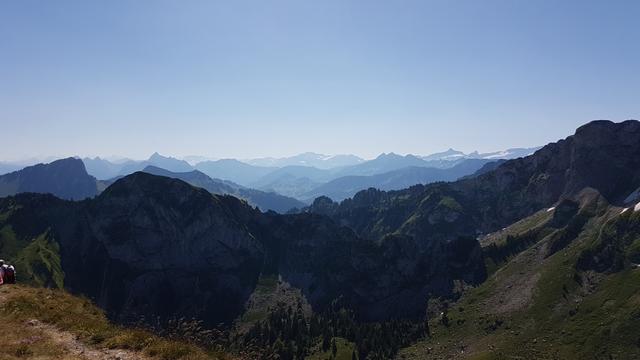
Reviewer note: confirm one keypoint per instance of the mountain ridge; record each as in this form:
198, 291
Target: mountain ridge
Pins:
347, 186
263, 200
66, 178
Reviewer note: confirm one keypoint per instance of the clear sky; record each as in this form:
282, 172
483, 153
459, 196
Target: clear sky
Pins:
271, 78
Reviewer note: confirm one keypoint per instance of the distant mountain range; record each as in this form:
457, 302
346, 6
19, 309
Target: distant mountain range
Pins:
234, 170
297, 178
347, 186
263, 200
388, 172
69, 180
319, 161
453, 154
104, 169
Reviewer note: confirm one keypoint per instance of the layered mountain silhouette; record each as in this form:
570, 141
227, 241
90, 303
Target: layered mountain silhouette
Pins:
68, 179
101, 168
263, 200
234, 170
387, 172
105, 170
304, 175
347, 186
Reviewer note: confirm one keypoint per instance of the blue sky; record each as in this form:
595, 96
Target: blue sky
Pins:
271, 78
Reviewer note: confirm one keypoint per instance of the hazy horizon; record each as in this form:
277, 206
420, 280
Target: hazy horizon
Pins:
247, 79
117, 158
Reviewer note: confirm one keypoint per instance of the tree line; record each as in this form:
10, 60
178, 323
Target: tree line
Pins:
288, 334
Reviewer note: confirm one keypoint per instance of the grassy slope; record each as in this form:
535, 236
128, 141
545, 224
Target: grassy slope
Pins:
81, 318
37, 260
533, 224
538, 306
39, 263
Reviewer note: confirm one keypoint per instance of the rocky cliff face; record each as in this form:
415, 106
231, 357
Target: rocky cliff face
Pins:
601, 155
171, 249
379, 279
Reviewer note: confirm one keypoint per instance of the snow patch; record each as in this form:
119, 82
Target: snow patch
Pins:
453, 157
637, 208
624, 210
551, 209
498, 155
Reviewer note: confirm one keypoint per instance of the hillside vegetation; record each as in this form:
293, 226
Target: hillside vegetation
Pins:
553, 299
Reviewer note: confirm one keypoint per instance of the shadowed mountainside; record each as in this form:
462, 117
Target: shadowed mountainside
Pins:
65, 178
153, 245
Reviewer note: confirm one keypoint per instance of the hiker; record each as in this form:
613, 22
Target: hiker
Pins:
7, 273
10, 275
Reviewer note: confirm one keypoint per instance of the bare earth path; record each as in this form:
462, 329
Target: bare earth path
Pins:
78, 349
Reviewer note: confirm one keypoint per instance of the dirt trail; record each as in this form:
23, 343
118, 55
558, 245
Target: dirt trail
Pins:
73, 347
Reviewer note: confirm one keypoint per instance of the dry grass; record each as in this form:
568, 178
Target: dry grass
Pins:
24, 342
80, 318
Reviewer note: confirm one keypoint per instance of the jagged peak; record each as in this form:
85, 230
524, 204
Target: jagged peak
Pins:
156, 156
390, 155
71, 161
